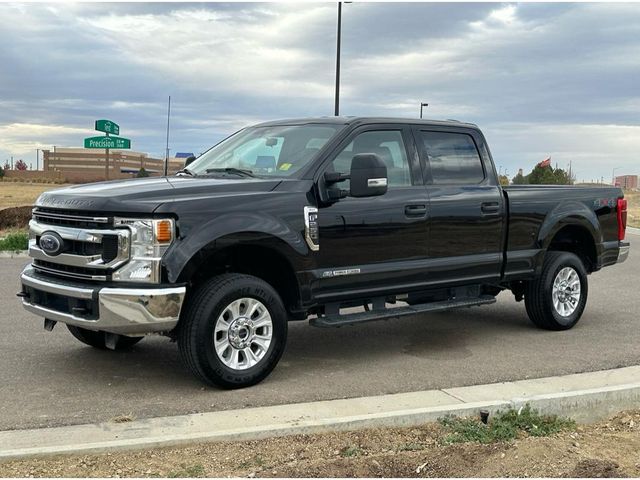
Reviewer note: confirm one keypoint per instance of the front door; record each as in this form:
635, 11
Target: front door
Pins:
369, 245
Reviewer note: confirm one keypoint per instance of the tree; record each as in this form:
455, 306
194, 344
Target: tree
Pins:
548, 176
142, 173
1, 172
519, 179
20, 165
503, 179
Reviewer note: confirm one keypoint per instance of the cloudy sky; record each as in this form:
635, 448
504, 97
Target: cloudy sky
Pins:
540, 79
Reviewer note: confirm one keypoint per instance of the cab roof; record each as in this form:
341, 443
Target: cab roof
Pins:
364, 121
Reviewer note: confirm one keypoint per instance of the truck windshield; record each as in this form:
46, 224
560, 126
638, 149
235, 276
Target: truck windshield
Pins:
277, 151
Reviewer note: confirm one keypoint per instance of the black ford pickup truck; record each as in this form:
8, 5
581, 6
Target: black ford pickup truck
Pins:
306, 219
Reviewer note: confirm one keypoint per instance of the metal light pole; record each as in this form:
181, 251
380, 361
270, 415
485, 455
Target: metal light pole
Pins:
422, 105
613, 175
166, 158
337, 97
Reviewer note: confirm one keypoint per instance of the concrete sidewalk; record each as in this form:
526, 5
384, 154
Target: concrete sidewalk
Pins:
585, 397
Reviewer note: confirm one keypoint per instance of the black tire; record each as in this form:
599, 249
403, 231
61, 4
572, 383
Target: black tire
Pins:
538, 296
98, 339
196, 332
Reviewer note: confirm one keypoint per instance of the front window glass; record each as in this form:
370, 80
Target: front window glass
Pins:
388, 145
278, 151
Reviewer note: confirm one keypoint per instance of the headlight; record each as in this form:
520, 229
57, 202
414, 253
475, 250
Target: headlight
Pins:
149, 240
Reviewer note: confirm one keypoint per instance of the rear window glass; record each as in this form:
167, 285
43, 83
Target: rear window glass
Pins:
452, 158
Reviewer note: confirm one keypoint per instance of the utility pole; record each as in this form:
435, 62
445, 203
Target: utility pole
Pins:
37, 159
337, 96
422, 105
166, 158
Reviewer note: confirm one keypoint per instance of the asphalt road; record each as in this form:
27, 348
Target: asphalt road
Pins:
50, 379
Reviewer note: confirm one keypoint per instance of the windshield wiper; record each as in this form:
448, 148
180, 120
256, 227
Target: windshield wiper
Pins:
186, 171
237, 171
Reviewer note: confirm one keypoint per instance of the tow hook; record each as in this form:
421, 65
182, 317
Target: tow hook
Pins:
49, 324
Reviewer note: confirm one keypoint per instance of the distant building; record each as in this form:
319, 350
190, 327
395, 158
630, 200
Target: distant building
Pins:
89, 165
628, 182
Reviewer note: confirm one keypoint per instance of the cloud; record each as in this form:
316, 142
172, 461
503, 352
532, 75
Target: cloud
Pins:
539, 78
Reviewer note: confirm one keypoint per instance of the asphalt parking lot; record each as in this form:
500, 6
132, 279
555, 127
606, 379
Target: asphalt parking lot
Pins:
50, 379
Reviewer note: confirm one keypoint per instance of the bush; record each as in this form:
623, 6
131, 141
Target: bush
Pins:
142, 173
15, 241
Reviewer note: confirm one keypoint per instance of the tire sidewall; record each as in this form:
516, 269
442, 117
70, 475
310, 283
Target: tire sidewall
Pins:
242, 288
563, 260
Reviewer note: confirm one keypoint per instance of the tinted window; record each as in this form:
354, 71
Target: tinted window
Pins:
388, 145
453, 158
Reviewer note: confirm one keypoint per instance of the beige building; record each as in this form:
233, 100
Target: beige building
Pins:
89, 165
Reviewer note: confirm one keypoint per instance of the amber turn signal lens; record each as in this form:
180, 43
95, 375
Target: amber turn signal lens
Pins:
164, 232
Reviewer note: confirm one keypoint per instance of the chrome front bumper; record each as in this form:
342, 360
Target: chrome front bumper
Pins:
126, 311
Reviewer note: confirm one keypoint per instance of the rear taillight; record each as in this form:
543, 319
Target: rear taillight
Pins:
622, 217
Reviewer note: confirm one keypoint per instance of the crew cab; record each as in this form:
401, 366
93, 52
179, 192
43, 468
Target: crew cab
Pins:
304, 220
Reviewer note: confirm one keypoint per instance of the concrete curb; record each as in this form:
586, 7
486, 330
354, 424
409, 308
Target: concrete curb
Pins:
585, 397
14, 254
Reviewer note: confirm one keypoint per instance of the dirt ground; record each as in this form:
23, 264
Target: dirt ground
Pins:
16, 194
607, 449
633, 198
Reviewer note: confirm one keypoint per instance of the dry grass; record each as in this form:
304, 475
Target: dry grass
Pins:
633, 218
17, 194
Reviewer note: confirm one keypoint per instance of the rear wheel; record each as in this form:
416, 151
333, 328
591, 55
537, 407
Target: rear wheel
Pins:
99, 339
233, 331
557, 298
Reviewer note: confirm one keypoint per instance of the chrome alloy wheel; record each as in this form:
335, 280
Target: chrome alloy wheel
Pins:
566, 291
243, 333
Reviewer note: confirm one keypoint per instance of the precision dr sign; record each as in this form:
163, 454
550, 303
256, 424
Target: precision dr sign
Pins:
107, 142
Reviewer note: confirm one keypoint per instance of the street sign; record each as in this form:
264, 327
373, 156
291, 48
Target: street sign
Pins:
107, 142
108, 126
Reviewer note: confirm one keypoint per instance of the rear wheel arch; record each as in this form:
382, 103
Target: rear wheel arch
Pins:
578, 239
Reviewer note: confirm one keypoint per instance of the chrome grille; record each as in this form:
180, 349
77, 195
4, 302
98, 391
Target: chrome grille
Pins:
92, 248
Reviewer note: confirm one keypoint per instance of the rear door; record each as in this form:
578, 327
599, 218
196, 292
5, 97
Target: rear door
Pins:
466, 207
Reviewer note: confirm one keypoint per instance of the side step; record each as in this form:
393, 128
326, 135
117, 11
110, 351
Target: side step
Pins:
338, 320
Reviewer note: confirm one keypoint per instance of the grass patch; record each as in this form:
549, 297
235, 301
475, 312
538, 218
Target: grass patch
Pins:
14, 241
350, 451
187, 471
504, 426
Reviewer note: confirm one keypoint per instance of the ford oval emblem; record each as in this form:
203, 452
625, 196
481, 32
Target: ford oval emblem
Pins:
51, 243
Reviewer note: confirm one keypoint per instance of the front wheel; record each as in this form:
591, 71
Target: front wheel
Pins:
233, 331
557, 298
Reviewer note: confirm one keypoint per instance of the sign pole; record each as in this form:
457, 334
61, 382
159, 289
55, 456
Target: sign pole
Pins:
106, 161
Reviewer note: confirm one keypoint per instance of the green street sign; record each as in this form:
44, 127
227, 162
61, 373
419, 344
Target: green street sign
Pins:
107, 142
108, 126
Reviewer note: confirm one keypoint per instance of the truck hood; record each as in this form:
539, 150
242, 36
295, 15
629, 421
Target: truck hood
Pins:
145, 195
